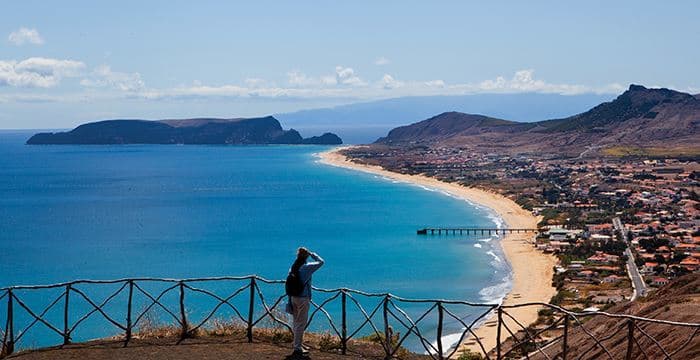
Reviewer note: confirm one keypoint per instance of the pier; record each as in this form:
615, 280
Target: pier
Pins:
472, 231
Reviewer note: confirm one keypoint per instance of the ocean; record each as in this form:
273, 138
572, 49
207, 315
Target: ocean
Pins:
108, 212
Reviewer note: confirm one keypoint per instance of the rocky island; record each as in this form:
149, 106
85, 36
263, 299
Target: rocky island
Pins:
243, 131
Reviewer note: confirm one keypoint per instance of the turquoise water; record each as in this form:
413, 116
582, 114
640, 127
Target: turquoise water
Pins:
103, 212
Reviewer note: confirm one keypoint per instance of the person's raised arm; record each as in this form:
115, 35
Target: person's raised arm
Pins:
316, 264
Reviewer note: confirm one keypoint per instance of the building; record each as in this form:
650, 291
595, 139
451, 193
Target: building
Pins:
659, 281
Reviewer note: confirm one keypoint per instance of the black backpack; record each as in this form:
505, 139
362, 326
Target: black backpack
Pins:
293, 286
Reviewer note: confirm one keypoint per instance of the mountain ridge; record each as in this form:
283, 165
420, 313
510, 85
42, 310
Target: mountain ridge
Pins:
639, 117
365, 122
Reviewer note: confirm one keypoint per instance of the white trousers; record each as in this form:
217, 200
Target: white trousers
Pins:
300, 307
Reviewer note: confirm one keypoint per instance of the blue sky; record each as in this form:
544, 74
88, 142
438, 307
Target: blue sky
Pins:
65, 63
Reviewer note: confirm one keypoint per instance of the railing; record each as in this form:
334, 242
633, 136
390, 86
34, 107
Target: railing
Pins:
377, 314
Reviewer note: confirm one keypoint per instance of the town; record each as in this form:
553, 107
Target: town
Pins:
620, 226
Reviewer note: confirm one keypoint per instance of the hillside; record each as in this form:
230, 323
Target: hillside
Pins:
638, 118
265, 130
365, 122
677, 301
447, 125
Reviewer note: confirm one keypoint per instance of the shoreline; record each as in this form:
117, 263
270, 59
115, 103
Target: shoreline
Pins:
531, 270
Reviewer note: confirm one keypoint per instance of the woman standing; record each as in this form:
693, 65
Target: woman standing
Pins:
302, 270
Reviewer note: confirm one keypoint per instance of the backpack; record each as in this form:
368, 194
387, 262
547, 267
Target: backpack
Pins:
293, 285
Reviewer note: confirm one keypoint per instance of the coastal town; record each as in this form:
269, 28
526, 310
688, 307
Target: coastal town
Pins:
619, 226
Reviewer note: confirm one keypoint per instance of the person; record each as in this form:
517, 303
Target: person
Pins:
300, 304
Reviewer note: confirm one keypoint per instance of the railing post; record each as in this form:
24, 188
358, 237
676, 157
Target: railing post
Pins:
183, 316
344, 328
564, 345
129, 306
439, 330
498, 333
66, 320
387, 333
3, 346
251, 308
10, 326
630, 338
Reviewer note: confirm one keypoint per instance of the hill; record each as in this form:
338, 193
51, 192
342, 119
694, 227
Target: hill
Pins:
365, 122
638, 118
265, 130
677, 301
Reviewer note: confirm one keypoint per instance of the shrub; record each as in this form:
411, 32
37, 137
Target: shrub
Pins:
328, 342
545, 312
469, 355
281, 336
223, 327
149, 326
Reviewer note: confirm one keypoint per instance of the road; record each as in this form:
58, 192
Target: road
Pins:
640, 288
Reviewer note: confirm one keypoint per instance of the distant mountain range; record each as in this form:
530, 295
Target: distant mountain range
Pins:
365, 122
264, 130
640, 118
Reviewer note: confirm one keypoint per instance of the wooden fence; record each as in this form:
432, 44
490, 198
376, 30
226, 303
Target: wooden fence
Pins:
381, 315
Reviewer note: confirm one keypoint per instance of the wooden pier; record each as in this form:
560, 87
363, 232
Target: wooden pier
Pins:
472, 231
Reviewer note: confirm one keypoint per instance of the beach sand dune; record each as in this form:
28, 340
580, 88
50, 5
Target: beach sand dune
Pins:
532, 270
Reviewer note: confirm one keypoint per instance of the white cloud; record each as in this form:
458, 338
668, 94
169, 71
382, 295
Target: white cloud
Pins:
24, 35
297, 78
382, 61
388, 82
524, 81
37, 72
103, 76
344, 83
346, 76
343, 76
255, 82
435, 83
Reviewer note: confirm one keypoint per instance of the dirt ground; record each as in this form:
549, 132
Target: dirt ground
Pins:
217, 348
189, 349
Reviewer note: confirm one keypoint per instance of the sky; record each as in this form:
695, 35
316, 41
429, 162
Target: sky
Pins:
65, 63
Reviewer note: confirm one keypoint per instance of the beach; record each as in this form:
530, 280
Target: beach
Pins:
532, 269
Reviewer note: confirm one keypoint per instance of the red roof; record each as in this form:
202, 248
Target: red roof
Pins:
690, 261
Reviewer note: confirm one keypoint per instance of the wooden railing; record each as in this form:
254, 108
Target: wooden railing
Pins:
382, 315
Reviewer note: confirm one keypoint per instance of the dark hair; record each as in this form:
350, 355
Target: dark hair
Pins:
301, 259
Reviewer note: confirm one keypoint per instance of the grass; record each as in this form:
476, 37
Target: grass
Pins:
625, 151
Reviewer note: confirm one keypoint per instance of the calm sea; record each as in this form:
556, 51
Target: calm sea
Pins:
104, 212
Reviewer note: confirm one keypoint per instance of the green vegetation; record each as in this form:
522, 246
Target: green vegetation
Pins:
631, 151
558, 280
583, 251
380, 339
561, 295
469, 355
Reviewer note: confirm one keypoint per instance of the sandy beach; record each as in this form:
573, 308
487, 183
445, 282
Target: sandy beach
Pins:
532, 270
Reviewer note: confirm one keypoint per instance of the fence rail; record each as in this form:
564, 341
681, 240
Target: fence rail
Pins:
513, 338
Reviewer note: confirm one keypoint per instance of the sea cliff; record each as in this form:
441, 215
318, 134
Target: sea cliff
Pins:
264, 130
